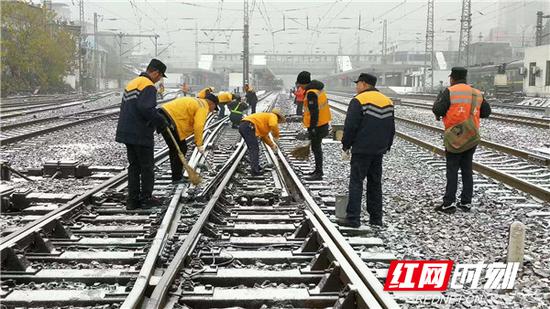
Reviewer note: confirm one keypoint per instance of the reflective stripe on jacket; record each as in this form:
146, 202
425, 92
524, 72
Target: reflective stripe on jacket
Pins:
324, 108
461, 97
189, 115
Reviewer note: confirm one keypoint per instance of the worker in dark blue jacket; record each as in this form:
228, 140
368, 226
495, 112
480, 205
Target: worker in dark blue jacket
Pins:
369, 129
137, 121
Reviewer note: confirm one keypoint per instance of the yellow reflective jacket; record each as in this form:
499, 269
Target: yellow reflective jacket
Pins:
263, 124
189, 115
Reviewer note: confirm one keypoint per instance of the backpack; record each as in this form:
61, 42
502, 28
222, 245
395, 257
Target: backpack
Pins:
464, 135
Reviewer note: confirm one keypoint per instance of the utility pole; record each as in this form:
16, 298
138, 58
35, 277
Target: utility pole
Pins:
96, 55
429, 51
196, 45
384, 40
80, 41
245, 44
465, 33
538, 33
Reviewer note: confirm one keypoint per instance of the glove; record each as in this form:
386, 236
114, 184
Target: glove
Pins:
346, 155
162, 125
274, 147
276, 139
201, 149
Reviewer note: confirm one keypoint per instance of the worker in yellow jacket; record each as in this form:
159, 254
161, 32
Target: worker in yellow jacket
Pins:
260, 125
202, 94
226, 98
186, 116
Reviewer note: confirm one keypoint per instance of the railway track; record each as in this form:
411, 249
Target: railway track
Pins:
264, 241
537, 122
91, 251
29, 109
525, 171
15, 132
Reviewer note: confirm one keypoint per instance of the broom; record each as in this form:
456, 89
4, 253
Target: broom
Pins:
194, 177
301, 152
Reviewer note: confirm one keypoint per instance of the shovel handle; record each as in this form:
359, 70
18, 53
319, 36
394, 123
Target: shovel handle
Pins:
180, 154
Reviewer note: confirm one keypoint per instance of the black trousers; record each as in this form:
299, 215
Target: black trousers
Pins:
369, 166
249, 135
141, 177
253, 107
462, 161
299, 108
175, 162
316, 141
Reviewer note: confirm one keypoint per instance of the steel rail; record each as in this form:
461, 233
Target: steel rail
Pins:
27, 111
27, 230
521, 119
532, 189
158, 297
368, 286
135, 297
527, 155
36, 121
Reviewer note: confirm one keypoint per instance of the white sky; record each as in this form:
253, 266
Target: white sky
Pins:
333, 20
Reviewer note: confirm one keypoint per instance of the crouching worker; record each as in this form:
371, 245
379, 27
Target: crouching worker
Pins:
185, 116
260, 125
237, 108
225, 98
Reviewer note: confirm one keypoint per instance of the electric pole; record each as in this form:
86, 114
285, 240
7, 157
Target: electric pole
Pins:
384, 40
196, 45
245, 44
97, 67
465, 33
538, 33
80, 41
429, 82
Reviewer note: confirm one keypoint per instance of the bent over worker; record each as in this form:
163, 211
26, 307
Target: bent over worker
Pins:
137, 121
369, 130
454, 105
226, 97
316, 118
251, 97
260, 125
186, 116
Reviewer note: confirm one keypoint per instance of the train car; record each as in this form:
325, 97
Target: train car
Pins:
498, 78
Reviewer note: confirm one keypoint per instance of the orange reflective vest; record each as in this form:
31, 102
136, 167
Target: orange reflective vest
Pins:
324, 108
462, 96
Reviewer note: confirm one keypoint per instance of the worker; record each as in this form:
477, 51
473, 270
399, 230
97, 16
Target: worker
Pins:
369, 129
454, 105
251, 97
186, 116
202, 94
299, 100
226, 97
237, 108
160, 91
137, 121
260, 125
316, 118
185, 89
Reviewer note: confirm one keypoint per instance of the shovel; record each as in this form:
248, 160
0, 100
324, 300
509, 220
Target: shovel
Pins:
194, 177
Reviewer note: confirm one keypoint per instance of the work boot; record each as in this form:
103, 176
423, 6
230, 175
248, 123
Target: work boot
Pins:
133, 205
346, 222
376, 222
465, 206
314, 177
152, 202
446, 208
